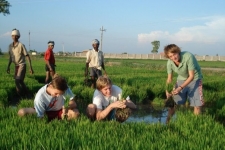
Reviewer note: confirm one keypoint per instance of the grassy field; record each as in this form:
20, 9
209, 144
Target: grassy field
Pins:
145, 82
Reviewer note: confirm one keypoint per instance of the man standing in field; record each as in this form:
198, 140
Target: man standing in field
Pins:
50, 61
17, 54
95, 61
189, 79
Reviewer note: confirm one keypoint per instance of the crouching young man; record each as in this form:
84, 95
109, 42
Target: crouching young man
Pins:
105, 100
50, 100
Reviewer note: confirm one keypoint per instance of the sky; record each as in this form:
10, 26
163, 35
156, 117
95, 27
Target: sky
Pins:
197, 26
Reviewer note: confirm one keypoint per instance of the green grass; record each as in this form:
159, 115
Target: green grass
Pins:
144, 80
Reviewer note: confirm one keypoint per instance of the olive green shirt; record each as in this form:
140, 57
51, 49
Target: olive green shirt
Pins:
18, 53
188, 62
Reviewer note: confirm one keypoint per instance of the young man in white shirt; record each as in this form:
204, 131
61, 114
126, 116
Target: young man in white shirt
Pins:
106, 100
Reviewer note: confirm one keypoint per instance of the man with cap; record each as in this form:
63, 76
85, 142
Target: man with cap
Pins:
95, 61
50, 61
17, 54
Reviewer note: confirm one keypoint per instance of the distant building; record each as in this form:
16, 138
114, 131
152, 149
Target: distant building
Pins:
85, 51
34, 53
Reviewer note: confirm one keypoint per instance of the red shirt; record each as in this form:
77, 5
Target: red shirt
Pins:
49, 56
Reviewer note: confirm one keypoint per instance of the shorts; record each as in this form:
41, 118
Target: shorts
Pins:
54, 114
20, 71
47, 68
192, 92
95, 72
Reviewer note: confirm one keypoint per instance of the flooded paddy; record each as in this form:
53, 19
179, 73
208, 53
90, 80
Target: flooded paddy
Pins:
149, 114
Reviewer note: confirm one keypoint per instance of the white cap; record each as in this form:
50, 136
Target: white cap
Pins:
15, 32
95, 41
51, 43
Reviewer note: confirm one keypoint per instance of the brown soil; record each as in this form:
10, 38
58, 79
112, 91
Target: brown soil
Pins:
122, 114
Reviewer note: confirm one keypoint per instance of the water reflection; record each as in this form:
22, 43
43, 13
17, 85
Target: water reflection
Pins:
149, 114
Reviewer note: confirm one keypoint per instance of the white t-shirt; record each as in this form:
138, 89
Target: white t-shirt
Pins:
44, 102
102, 102
95, 59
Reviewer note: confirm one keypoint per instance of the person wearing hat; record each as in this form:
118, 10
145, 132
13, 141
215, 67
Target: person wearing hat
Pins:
17, 54
95, 61
50, 61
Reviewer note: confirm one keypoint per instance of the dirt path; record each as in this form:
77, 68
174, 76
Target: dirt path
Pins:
214, 69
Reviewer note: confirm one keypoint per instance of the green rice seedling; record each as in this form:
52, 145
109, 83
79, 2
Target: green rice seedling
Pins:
169, 102
169, 87
66, 101
26, 103
184, 130
3, 98
158, 90
87, 94
125, 92
65, 107
142, 94
77, 90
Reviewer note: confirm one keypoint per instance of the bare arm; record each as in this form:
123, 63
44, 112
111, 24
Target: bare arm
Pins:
130, 104
87, 63
86, 69
8, 68
189, 79
101, 114
169, 78
103, 67
168, 81
29, 60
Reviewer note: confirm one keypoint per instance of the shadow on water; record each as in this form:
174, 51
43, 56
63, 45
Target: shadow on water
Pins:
149, 114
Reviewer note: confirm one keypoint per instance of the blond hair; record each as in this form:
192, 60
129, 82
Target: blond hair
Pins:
102, 82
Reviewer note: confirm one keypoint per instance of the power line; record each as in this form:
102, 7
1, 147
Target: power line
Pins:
101, 29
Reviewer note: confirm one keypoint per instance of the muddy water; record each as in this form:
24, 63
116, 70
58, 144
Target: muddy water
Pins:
149, 114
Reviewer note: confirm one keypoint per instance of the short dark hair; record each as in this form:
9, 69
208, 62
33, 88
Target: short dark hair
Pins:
51, 42
59, 83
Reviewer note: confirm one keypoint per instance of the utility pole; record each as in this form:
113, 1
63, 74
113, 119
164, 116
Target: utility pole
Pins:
63, 48
29, 40
101, 29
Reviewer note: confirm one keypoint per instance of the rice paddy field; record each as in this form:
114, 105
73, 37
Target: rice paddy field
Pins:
144, 80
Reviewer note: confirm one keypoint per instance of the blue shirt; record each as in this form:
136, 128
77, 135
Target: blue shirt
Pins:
44, 102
